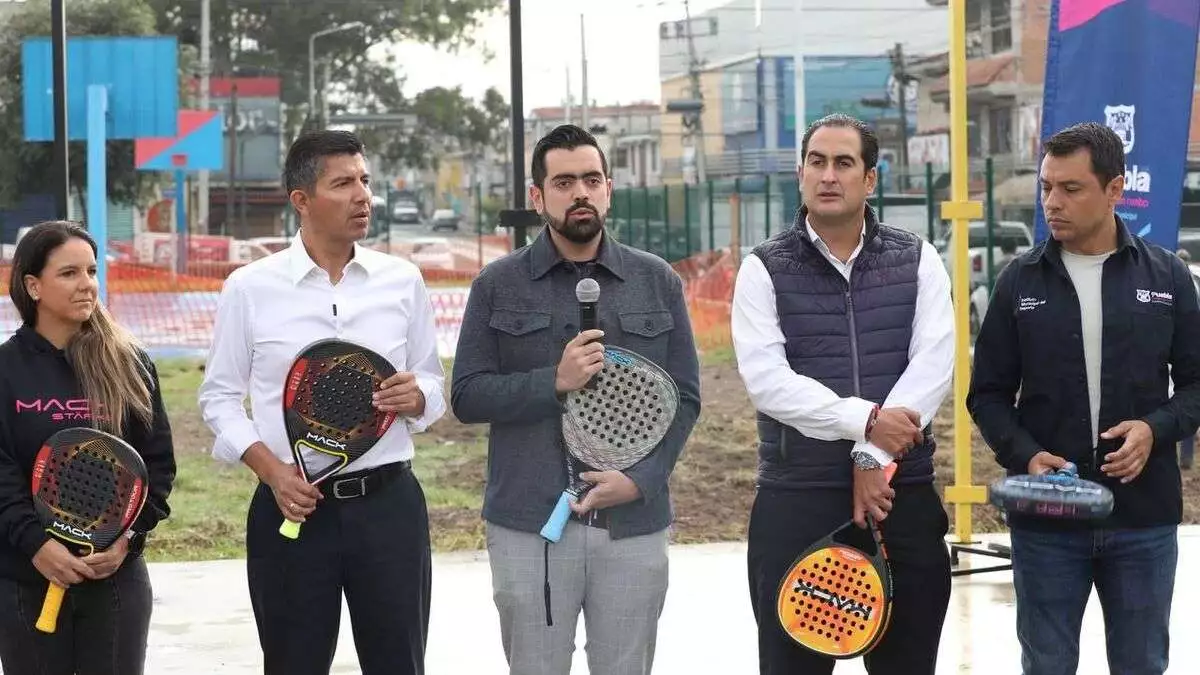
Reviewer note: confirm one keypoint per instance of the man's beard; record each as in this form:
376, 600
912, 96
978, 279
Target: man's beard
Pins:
577, 231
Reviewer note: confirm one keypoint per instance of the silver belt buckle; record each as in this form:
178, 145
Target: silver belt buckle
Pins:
361, 481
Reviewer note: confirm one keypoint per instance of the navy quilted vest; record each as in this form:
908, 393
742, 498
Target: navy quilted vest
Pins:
853, 338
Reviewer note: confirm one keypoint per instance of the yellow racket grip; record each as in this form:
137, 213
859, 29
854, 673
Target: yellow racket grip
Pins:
290, 529
48, 621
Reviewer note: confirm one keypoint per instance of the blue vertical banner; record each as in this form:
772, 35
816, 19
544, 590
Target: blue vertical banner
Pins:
1129, 64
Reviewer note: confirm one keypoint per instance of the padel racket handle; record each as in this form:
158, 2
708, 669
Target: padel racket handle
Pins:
48, 620
552, 531
290, 529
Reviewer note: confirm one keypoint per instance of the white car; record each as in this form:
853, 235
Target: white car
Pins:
1004, 231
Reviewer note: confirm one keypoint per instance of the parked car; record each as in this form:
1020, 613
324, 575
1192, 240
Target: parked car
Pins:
444, 219
405, 213
1011, 232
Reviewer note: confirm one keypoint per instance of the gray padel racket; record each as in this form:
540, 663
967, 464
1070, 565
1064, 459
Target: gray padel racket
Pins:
1060, 495
615, 423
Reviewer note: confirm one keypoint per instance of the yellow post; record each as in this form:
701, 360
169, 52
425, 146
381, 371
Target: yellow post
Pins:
960, 211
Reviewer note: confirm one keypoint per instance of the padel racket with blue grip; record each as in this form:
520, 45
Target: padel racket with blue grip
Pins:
1061, 494
615, 424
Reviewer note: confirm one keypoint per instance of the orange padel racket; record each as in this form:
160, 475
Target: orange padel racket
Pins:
88, 488
836, 599
327, 409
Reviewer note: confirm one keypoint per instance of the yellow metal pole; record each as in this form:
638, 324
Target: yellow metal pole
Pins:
960, 211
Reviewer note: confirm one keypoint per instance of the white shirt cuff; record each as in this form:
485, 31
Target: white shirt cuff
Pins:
854, 419
873, 450
435, 406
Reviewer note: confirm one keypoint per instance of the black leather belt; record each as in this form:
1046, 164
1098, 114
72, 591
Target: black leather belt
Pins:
362, 483
594, 518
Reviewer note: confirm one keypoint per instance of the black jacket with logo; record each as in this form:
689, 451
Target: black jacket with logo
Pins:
1030, 345
39, 394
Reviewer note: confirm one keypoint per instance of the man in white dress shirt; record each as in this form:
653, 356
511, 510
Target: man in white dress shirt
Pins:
366, 533
844, 335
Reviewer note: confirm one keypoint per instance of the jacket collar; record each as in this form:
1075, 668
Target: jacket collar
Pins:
543, 255
1052, 249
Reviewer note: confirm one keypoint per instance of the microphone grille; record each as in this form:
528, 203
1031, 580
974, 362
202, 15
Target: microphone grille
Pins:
587, 290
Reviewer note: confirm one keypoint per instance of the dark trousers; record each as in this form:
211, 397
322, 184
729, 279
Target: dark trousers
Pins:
102, 626
373, 548
1134, 575
784, 523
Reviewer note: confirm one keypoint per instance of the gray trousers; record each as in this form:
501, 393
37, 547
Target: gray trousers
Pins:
619, 584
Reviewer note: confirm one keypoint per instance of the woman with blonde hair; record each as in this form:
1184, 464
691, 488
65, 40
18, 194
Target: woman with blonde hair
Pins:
71, 365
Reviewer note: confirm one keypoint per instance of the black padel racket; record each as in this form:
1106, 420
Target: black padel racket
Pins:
327, 409
613, 423
1061, 494
88, 489
836, 599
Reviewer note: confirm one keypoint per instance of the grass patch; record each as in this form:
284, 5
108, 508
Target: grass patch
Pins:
208, 511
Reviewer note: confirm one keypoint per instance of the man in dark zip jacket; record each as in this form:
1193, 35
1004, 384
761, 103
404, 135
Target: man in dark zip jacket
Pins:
1085, 326
844, 334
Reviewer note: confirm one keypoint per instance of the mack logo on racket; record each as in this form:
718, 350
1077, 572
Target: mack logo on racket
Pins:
329, 442
73, 531
328, 411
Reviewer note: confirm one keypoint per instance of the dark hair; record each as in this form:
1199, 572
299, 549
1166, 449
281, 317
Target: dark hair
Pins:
306, 157
564, 137
104, 356
1103, 145
870, 142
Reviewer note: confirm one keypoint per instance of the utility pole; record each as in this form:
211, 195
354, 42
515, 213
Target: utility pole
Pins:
799, 102
568, 105
900, 74
697, 131
205, 69
62, 165
230, 187
583, 48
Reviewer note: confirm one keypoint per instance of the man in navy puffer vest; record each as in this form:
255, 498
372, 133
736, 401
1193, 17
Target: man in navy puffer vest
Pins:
844, 334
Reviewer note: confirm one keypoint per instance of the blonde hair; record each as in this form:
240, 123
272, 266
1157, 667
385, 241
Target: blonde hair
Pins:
105, 356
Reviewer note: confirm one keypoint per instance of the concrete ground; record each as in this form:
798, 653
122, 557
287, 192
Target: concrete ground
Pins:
202, 621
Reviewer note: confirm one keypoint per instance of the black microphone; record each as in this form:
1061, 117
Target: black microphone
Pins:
587, 292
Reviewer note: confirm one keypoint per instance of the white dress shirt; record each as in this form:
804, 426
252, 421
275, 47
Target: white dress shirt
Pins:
272, 308
809, 406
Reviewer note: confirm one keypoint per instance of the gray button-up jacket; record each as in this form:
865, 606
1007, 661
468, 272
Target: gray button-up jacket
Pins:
520, 314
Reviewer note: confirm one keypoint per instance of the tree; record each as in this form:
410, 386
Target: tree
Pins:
271, 37
447, 121
28, 167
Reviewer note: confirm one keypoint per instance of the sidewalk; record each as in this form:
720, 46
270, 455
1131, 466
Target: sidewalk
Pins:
202, 621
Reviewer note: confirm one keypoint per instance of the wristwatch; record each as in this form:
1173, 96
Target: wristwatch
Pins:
863, 461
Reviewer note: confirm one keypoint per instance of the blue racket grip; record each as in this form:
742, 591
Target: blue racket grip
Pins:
552, 531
